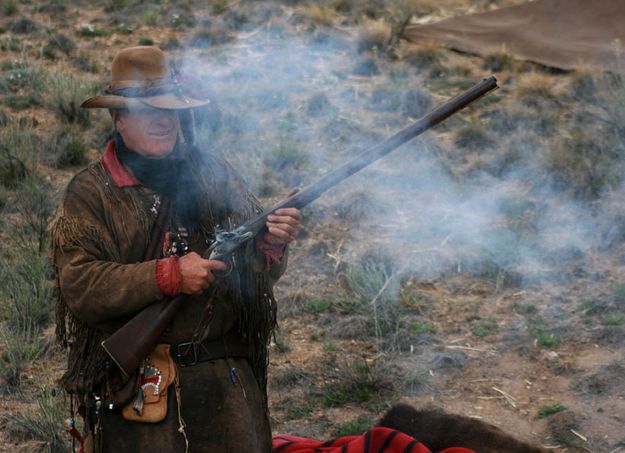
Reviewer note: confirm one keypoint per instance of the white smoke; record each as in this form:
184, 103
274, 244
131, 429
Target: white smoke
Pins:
417, 210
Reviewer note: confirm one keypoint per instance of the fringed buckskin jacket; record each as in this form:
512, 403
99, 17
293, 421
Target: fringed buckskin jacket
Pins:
99, 239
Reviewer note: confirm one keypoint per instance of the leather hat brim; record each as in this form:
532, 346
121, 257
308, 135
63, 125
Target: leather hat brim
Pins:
168, 101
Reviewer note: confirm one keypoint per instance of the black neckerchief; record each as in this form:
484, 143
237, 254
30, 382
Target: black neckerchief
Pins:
170, 176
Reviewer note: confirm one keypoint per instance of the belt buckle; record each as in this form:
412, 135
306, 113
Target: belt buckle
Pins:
181, 356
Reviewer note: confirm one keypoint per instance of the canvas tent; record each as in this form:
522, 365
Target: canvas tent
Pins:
558, 33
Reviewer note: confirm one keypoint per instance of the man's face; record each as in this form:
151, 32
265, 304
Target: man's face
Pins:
149, 131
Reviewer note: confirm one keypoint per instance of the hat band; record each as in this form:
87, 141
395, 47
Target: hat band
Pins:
141, 92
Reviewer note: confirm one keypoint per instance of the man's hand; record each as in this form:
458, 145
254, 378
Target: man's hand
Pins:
196, 273
283, 226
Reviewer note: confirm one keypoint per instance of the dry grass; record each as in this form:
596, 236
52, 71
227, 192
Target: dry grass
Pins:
319, 15
499, 60
535, 89
421, 56
373, 36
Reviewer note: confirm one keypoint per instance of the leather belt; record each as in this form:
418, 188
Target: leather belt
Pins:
189, 353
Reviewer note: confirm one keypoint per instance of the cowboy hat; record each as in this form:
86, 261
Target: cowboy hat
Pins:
141, 75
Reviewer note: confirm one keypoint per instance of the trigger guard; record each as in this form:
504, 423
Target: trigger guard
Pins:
228, 271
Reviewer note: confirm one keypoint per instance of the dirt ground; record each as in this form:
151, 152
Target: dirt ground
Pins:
503, 378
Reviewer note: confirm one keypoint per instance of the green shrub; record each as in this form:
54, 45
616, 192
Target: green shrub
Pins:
51, 6
180, 21
535, 89
550, 409
421, 327
367, 279
373, 36
19, 75
592, 307
8, 7
61, 42
64, 97
548, 340
17, 154
525, 309
585, 164
218, 6
583, 85
373, 282
302, 410
616, 319
485, 328
422, 56
26, 289
10, 43
288, 158
354, 427
498, 61
591, 159
366, 68
473, 136
145, 41
353, 306
48, 52
68, 147
360, 383
113, 5
20, 348
44, 425
343, 6
24, 26
34, 204
22, 101
618, 294
538, 328
4, 197
318, 105
330, 347
317, 306
385, 99
149, 16
85, 62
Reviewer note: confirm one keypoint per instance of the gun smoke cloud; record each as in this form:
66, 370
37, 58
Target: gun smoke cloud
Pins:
290, 110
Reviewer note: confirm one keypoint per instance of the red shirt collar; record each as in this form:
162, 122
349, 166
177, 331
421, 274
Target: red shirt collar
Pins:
118, 172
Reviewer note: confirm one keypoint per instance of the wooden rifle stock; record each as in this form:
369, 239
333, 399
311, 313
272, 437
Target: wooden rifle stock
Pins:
137, 338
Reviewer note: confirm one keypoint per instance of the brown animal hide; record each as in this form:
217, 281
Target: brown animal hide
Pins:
438, 430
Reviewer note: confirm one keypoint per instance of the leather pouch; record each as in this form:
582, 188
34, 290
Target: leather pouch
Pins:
157, 373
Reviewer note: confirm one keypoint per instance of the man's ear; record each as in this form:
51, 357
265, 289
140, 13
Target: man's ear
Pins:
118, 119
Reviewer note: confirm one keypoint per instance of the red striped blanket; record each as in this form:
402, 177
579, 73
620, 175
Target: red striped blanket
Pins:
376, 440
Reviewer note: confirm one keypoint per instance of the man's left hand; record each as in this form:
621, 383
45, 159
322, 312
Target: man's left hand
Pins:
283, 226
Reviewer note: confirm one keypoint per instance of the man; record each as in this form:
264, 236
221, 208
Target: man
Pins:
111, 264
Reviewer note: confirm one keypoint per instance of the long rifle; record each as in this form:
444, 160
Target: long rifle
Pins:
138, 337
